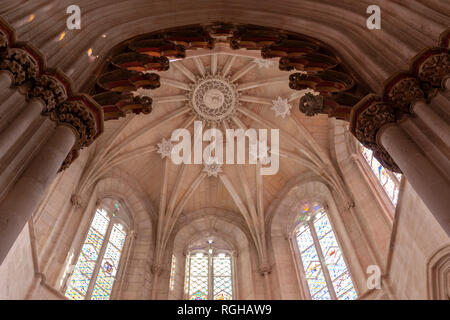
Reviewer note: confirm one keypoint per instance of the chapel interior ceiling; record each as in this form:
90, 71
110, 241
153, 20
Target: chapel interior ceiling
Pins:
252, 92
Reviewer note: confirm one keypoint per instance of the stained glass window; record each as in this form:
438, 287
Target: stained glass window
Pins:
173, 266
324, 267
99, 258
209, 276
389, 181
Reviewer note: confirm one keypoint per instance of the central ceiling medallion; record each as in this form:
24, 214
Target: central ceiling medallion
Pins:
213, 98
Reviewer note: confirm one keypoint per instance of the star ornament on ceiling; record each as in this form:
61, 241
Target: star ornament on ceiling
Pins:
212, 168
165, 148
281, 107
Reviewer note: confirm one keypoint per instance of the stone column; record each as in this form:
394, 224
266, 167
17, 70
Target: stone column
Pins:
21, 201
21, 123
425, 178
432, 120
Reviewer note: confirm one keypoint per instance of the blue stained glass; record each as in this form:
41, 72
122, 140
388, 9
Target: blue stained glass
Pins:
342, 284
333, 260
323, 294
304, 239
99, 294
322, 225
88, 258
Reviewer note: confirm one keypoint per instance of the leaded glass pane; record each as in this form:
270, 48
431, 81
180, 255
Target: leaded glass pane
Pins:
111, 258
88, 261
304, 238
198, 277
322, 224
323, 257
390, 183
172, 272
223, 288
84, 268
99, 294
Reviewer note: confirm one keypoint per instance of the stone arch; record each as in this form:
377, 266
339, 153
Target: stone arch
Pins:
282, 214
135, 280
211, 221
438, 270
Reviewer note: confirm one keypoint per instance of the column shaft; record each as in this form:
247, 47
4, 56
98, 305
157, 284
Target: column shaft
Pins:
21, 123
18, 205
425, 178
435, 123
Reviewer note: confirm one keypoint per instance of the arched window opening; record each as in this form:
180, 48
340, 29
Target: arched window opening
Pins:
173, 266
325, 270
209, 274
390, 181
96, 269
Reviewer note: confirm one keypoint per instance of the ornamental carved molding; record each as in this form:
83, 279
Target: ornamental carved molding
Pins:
374, 114
435, 68
21, 64
75, 115
27, 66
367, 118
50, 90
404, 92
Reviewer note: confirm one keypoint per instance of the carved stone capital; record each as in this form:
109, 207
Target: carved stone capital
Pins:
76, 115
50, 90
403, 91
368, 117
434, 68
21, 64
